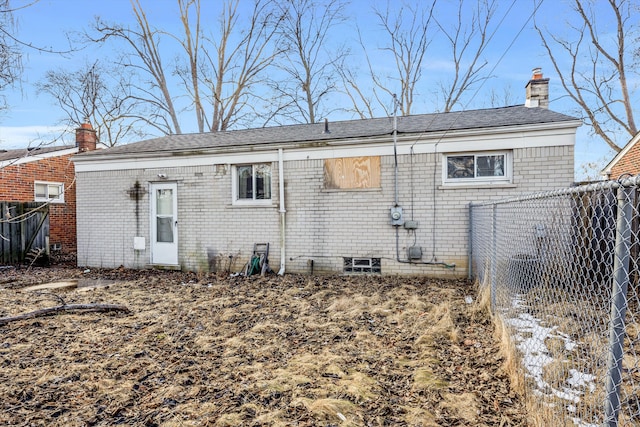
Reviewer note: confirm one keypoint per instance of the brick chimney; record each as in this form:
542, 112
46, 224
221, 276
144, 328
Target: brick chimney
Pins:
86, 138
537, 90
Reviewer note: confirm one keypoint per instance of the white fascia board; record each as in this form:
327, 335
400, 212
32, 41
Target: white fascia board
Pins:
34, 157
506, 138
173, 161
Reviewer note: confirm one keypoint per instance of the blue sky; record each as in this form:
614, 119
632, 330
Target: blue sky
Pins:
32, 118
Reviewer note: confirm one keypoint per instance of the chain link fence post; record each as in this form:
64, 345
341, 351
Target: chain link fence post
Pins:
618, 304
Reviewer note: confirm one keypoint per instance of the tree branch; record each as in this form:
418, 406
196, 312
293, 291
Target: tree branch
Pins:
86, 308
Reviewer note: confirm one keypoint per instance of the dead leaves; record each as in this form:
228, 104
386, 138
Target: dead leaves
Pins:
293, 350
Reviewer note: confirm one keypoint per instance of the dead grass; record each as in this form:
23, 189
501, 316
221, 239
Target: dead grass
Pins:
511, 365
273, 351
570, 330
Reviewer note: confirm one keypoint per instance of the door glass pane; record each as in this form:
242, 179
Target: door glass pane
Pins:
164, 215
164, 229
460, 167
164, 202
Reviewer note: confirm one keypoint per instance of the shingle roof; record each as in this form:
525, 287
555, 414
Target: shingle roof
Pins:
423, 123
30, 152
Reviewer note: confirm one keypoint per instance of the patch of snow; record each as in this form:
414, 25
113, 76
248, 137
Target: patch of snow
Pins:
529, 338
580, 379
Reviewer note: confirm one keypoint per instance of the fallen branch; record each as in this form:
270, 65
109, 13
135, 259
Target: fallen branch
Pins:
89, 308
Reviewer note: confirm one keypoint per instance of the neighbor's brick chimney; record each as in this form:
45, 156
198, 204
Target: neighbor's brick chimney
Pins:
537, 90
86, 137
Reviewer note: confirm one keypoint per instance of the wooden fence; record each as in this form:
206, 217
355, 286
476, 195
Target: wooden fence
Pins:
24, 232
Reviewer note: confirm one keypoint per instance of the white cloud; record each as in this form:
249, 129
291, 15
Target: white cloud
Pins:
25, 136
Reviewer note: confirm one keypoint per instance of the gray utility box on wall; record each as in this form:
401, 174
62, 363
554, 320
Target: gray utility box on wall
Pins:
414, 252
411, 225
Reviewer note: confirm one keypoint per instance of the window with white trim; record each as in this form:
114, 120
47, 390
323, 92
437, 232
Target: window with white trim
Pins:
48, 192
477, 167
252, 184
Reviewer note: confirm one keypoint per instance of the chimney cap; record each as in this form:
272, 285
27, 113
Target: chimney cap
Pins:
536, 73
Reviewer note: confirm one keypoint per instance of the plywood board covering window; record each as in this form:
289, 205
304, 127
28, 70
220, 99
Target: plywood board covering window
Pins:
352, 172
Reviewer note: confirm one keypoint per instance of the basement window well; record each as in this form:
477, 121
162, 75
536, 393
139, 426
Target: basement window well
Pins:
362, 265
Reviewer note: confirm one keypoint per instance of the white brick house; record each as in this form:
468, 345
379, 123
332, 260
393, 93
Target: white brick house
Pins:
321, 194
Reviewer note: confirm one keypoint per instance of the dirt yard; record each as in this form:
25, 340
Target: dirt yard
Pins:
257, 351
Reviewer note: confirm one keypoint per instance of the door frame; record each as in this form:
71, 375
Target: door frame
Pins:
163, 253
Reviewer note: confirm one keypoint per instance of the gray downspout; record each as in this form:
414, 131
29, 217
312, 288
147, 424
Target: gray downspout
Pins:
470, 244
282, 211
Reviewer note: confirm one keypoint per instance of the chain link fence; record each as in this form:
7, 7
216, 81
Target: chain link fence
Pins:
563, 271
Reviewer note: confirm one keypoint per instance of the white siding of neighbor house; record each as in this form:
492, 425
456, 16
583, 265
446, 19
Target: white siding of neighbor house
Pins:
321, 225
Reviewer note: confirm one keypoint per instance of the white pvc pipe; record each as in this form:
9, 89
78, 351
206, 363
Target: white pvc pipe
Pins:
282, 210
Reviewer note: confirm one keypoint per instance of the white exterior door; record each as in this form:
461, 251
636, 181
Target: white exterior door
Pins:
164, 223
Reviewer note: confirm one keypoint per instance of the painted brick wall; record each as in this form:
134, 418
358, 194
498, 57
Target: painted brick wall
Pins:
210, 228
321, 225
17, 184
328, 225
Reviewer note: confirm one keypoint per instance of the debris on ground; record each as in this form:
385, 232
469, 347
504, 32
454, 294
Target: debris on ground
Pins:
293, 350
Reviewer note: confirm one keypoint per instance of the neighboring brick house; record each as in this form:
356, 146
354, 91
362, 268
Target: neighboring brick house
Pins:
47, 174
381, 195
627, 161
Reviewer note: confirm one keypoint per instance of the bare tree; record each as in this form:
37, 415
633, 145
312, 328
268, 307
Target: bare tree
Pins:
12, 48
409, 33
309, 57
595, 67
234, 63
216, 73
145, 57
362, 100
407, 44
467, 38
500, 97
191, 44
10, 53
99, 95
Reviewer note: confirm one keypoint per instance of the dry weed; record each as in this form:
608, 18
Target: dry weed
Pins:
269, 351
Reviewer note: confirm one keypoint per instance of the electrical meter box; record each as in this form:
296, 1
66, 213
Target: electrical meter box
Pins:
396, 216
